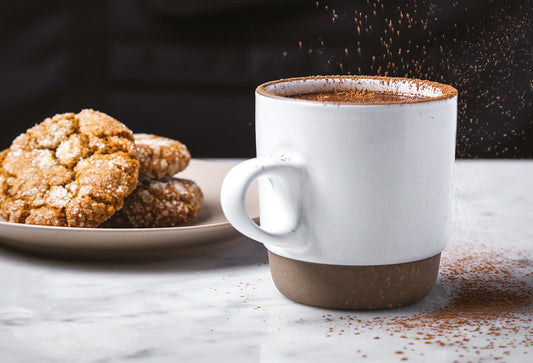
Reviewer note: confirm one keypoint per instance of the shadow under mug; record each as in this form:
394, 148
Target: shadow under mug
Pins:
354, 197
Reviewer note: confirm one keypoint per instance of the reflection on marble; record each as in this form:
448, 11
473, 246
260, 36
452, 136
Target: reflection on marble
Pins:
224, 307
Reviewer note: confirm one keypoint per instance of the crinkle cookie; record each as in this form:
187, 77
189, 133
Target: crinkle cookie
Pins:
159, 203
70, 170
160, 157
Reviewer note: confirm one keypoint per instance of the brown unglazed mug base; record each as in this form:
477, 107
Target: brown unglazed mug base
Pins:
354, 287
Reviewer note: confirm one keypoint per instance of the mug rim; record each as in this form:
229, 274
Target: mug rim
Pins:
447, 91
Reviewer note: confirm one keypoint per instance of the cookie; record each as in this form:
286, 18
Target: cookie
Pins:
160, 157
70, 170
159, 203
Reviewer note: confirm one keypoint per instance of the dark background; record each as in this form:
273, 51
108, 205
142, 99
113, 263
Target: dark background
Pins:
188, 69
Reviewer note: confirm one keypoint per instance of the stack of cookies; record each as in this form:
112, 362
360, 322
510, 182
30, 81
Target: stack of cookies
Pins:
89, 170
160, 199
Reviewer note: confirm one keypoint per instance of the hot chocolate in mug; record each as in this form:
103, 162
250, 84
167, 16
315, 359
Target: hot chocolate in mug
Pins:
354, 177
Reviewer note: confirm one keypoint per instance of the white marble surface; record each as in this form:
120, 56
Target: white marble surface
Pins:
224, 307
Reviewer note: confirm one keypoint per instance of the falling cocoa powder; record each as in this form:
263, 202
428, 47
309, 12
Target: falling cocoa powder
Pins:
481, 56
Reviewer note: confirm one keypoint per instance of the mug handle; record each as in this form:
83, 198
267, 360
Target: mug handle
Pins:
285, 176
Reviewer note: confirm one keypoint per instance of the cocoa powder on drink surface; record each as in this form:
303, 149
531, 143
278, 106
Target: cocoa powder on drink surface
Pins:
359, 96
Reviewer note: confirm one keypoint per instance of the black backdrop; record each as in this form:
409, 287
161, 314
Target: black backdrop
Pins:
187, 69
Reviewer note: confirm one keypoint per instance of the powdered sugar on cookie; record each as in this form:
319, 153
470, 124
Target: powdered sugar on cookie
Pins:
70, 170
160, 157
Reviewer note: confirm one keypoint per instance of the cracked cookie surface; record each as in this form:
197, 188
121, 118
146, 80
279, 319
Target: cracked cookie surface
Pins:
70, 170
159, 203
160, 157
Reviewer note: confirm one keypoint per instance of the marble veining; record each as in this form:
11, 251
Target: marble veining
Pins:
224, 307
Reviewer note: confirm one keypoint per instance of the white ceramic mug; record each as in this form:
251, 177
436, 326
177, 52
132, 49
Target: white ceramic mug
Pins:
349, 184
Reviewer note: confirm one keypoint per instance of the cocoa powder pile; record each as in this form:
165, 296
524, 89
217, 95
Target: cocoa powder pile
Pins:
488, 310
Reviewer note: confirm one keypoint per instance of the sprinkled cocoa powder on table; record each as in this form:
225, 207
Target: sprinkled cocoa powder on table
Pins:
489, 311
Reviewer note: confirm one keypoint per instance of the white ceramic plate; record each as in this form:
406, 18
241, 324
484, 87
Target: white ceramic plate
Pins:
207, 233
